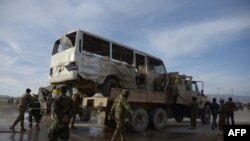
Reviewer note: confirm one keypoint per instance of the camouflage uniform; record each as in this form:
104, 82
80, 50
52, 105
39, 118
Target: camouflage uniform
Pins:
25, 100
193, 112
230, 107
34, 111
118, 108
222, 118
214, 111
60, 124
76, 103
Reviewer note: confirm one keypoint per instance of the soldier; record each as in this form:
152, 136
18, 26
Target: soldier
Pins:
193, 112
222, 113
118, 108
76, 103
230, 107
214, 111
34, 111
61, 109
25, 100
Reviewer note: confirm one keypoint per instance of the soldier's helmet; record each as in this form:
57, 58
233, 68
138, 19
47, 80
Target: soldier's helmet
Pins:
221, 100
28, 90
125, 93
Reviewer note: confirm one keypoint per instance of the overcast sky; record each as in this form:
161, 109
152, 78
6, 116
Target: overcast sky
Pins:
207, 39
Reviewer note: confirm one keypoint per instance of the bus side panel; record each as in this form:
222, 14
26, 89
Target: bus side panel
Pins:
97, 69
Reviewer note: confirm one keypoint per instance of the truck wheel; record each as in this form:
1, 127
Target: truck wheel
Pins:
206, 116
139, 121
158, 118
86, 114
108, 84
179, 119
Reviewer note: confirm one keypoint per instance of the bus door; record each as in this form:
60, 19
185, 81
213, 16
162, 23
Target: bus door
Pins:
141, 71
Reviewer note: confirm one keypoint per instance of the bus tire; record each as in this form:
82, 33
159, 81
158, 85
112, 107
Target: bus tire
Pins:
158, 118
108, 84
139, 121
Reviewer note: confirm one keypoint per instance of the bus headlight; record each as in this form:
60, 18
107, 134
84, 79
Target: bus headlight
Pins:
71, 66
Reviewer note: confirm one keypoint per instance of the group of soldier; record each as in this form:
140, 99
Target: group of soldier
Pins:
63, 108
225, 112
30, 103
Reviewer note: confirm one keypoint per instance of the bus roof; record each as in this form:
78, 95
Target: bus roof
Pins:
76, 30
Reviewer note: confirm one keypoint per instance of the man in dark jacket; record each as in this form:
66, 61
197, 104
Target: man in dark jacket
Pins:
214, 111
34, 111
230, 107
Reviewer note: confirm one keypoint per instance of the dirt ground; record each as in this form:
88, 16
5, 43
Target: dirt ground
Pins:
89, 131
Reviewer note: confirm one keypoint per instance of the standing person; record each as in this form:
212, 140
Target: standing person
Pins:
76, 103
222, 113
34, 111
118, 109
61, 109
193, 112
25, 100
214, 111
230, 107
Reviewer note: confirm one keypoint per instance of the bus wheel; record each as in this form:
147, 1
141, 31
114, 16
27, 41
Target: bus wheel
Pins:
108, 84
139, 121
158, 118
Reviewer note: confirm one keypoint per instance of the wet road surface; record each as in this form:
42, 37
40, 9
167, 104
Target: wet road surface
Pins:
89, 131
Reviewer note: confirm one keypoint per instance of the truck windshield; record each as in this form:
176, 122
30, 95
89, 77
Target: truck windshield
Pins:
64, 43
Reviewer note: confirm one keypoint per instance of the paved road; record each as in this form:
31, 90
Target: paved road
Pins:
89, 131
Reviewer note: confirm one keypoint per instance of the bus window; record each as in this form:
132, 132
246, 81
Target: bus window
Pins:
95, 45
156, 66
64, 43
122, 54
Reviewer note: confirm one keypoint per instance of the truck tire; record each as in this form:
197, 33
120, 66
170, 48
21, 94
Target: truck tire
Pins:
158, 118
86, 114
179, 119
139, 121
108, 84
206, 116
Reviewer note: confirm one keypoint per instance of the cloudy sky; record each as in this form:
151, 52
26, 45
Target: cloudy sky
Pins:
207, 39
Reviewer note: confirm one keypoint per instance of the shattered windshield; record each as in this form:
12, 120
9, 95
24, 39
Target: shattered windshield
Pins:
64, 43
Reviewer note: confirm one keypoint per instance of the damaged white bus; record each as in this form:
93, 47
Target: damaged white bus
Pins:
93, 64
87, 61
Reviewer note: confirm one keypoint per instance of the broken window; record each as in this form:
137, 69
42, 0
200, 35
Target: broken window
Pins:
64, 43
122, 54
140, 63
156, 65
96, 46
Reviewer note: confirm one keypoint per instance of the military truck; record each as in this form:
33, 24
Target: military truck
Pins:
152, 108
94, 64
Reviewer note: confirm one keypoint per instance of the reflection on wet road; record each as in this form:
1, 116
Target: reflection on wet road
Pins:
89, 131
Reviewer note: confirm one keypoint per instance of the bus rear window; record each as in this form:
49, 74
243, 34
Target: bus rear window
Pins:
64, 43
